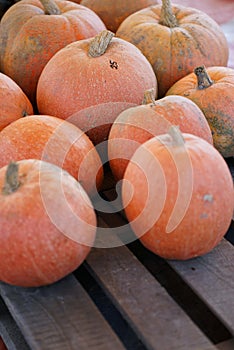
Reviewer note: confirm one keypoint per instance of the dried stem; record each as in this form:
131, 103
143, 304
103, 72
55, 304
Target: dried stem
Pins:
167, 18
203, 79
100, 43
149, 97
11, 179
50, 7
176, 136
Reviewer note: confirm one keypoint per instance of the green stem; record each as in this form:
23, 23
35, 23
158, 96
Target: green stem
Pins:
12, 182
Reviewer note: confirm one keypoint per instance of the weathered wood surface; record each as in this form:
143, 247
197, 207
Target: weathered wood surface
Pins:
211, 277
60, 316
157, 320
9, 330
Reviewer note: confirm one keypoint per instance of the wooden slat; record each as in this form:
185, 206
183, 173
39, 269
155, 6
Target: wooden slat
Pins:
157, 320
226, 345
211, 277
9, 331
59, 317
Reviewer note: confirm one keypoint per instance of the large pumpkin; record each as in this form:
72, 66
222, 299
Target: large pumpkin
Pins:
175, 39
47, 226
212, 89
114, 12
14, 104
178, 195
56, 141
32, 31
89, 82
136, 125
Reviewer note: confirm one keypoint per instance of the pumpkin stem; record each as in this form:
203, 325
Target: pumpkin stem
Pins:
50, 7
167, 18
100, 43
176, 136
203, 79
149, 97
11, 179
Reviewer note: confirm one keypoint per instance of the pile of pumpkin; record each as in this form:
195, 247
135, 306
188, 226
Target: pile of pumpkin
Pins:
83, 84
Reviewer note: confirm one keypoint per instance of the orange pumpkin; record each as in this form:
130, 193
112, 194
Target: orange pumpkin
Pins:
33, 31
47, 226
178, 195
113, 13
2, 345
56, 141
136, 125
175, 39
89, 82
212, 89
14, 104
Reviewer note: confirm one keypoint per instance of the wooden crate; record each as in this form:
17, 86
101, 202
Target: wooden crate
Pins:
127, 298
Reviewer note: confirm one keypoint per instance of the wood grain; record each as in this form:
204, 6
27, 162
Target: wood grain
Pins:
157, 320
60, 316
211, 277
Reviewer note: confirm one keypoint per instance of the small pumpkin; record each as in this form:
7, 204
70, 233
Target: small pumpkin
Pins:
56, 141
178, 195
175, 39
32, 31
14, 104
113, 13
100, 77
136, 125
212, 89
47, 226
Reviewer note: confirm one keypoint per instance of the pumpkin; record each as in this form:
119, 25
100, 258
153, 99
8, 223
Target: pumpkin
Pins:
136, 125
178, 195
113, 13
14, 104
2, 345
175, 39
32, 31
89, 82
47, 226
212, 89
56, 141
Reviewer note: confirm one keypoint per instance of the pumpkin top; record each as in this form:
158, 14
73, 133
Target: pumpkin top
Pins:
11, 179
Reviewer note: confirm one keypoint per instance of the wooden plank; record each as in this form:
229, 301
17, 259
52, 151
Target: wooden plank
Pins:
60, 316
156, 319
9, 330
226, 345
211, 277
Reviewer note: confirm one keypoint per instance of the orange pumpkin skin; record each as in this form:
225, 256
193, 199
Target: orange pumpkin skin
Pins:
216, 102
56, 141
14, 104
42, 248
174, 52
136, 125
113, 13
38, 36
197, 177
2, 345
97, 88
